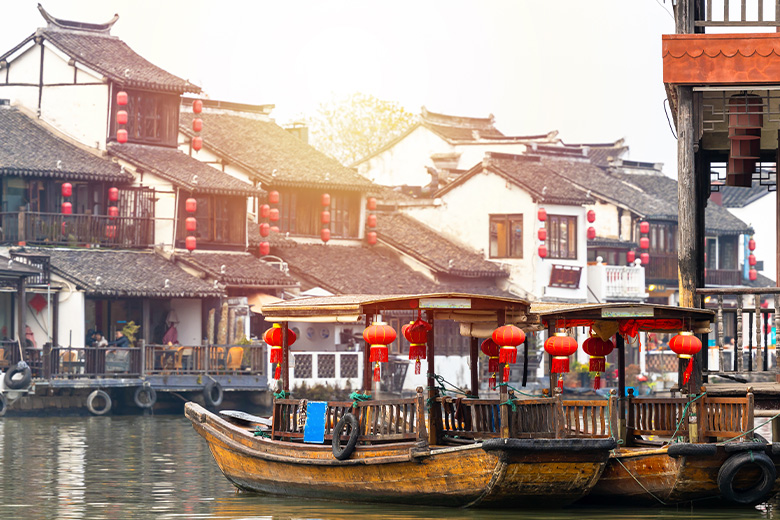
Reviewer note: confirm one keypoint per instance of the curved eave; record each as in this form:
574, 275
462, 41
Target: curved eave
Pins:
92, 291
63, 174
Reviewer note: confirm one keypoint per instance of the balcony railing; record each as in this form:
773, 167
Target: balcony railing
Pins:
737, 13
617, 282
661, 268
722, 276
74, 230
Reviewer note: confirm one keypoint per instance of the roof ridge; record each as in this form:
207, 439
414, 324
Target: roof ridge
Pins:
59, 24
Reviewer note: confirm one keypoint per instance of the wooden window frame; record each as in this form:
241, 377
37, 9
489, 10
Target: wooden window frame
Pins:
508, 219
553, 225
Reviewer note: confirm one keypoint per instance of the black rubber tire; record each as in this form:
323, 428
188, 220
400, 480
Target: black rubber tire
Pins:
558, 445
686, 449
3, 405
213, 394
731, 467
734, 447
16, 383
343, 453
91, 402
145, 403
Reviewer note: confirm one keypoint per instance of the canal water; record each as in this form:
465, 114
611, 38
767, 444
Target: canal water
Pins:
118, 468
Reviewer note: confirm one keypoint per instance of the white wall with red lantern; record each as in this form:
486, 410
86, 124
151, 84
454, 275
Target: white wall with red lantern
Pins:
759, 215
543, 266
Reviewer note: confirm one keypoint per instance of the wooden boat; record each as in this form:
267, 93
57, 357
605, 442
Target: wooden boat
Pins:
504, 452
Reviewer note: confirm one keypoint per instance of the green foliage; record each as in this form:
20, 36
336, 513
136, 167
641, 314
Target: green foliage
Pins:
130, 330
321, 392
354, 127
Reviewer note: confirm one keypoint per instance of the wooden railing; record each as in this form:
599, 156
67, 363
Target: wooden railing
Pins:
722, 277
590, 418
725, 417
58, 229
655, 416
388, 420
738, 13
536, 418
662, 267
470, 418
200, 359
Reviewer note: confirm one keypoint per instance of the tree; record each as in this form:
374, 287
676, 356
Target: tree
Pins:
354, 127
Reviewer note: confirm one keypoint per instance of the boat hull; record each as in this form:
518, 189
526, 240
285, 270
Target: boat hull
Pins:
512, 473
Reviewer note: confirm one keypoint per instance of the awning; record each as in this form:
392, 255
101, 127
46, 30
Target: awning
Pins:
259, 299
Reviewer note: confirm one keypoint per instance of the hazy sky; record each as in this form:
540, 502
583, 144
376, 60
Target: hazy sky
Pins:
590, 69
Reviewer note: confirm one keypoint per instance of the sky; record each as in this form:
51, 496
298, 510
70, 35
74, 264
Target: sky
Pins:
590, 69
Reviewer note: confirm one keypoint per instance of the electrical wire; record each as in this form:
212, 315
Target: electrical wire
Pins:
664, 8
666, 112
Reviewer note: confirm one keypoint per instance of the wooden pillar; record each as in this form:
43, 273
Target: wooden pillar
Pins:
620, 344
434, 412
285, 360
550, 331
503, 392
777, 219
525, 359
367, 360
686, 195
21, 299
474, 362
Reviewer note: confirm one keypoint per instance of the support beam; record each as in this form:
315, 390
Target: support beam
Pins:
21, 299
474, 363
687, 197
434, 413
285, 360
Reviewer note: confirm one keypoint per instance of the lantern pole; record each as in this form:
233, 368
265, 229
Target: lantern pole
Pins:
367, 386
285, 360
474, 358
434, 414
525, 359
551, 326
503, 389
620, 344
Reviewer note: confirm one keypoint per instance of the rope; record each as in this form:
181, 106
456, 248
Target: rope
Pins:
357, 397
443, 389
259, 433
510, 387
749, 431
511, 403
284, 394
637, 481
684, 413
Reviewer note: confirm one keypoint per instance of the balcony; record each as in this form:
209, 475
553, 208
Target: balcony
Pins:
614, 283
37, 228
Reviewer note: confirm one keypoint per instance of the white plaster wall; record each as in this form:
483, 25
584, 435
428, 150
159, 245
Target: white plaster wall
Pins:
606, 223
20, 96
80, 111
471, 154
189, 313
454, 369
55, 66
761, 217
405, 162
40, 324
71, 324
544, 266
25, 68
164, 208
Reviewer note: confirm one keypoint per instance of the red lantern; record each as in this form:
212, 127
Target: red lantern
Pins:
325, 217
110, 231
121, 117
325, 200
542, 251
273, 197
191, 205
371, 221
273, 215
752, 259
591, 233
197, 106
265, 229
753, 275
378, 335
197, 124
121, 136
265, 210
560, 346
491, 349
274, 229
190, 243
190, 224
598, 349
541, 214
113, 212
121, 98
645, 257
644, 243
371, 238
67, 189
644, 227
542, 234
685, 345
508, 338
416, 333
197, 143
325, 235
752, 244
591, 216
273, 337
371, 204
67, 208
113, 194
631, 257
265, 248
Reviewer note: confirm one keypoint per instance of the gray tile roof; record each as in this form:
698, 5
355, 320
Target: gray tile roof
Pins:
181, 169
240, 269
127, 274
111, 57
734, 197
431, 248
276, 156
29, 149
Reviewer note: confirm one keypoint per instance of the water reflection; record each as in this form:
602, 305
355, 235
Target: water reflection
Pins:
117, 468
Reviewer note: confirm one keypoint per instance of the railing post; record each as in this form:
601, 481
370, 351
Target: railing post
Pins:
422, 432
738, 352
142, 344
721, 359
777, 331
559, 418
759, 354
612, 414
46, 362
749, 412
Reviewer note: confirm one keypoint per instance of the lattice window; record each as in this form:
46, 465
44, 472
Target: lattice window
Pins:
349, 365
302, 366
326, 365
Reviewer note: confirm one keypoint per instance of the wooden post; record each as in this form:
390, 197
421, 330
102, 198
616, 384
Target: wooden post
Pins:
525, 359
777, 336
683, 17
474, 359
721, 363
759, 353
367, 360
422, 432
620, 344
503, 390
550, 331
285, 360
21, 298
749, 417
686, 194
738, 349
434, 413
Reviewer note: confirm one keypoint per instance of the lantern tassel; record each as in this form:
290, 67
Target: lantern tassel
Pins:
507, 355
560, 364
417, 367
492, 381
560, 382
598, 364
278, 372
597, 382
493, 364
376, 373
506, 372
688, 371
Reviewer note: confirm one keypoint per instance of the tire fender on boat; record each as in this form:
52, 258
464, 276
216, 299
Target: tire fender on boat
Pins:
343, 453
145, 396
3, 404
91, 402
686, 449
213, 394
14, 382
733, 465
